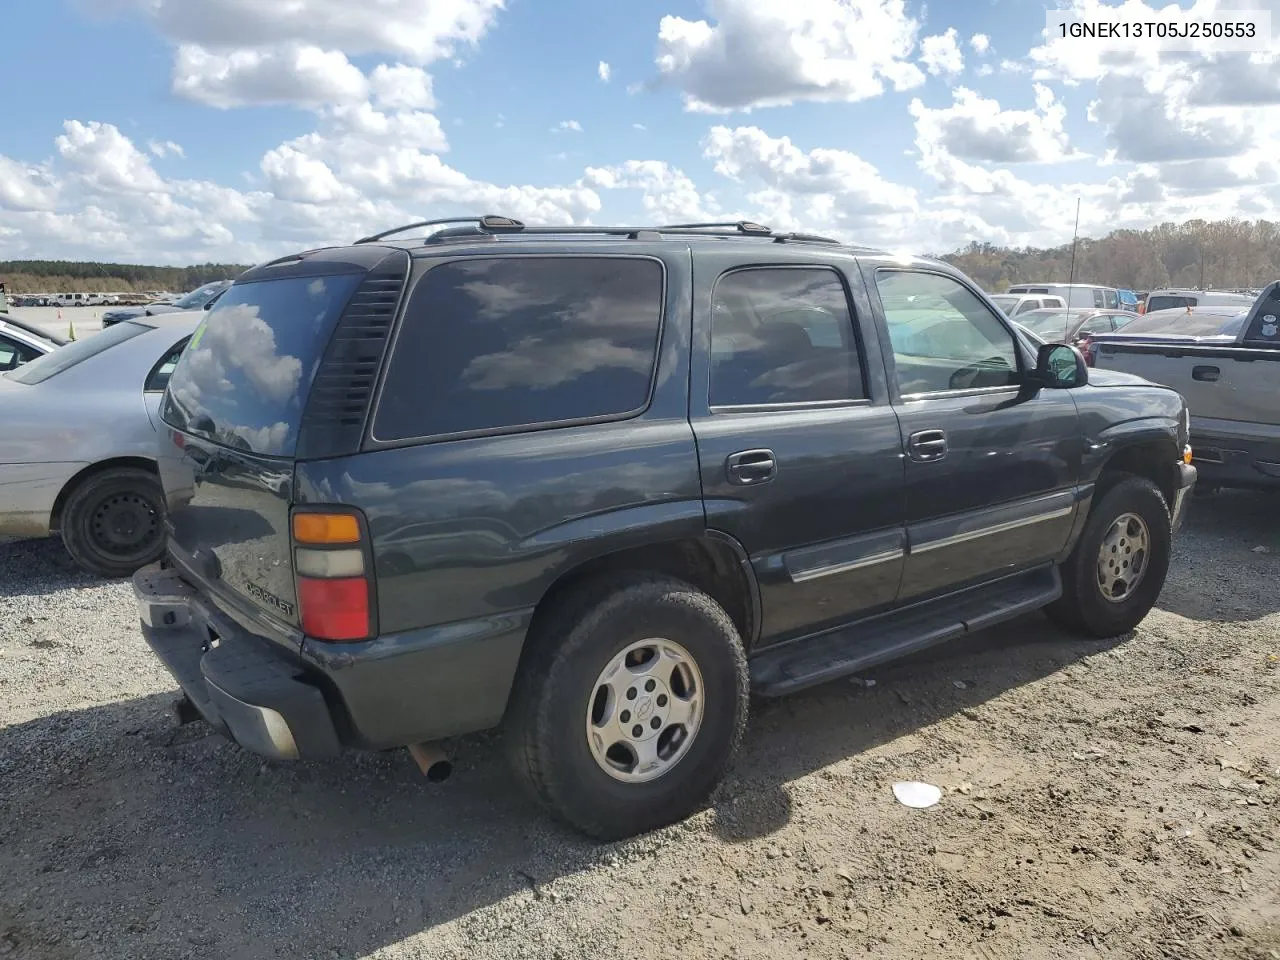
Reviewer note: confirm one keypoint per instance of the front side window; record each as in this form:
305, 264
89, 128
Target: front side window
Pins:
943, 337
783, 335
504, 343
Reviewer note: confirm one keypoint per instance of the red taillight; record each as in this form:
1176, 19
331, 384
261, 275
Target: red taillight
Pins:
334, 592
334, 609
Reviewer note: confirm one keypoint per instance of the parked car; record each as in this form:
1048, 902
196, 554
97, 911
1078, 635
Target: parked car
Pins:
1228, 369
1074, 294
201, 299
21, 343
78, 448
1169, 298
594, 485
1174, 324
1014, 304
1074, 326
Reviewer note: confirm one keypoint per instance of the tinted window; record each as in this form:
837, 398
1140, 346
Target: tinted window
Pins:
1264, 331
1099, 324
943, 336
159, 376
782, 336
500, 343
244, 377
1166, 302
64, 358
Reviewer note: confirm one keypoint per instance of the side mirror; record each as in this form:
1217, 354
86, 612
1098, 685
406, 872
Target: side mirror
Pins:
1061, 366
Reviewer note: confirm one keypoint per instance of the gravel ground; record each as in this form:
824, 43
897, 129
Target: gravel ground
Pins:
1102, 799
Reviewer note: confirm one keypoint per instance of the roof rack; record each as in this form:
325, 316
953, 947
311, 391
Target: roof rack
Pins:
489, 223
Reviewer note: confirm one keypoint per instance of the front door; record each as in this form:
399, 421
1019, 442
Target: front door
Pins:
798, 444
992, 464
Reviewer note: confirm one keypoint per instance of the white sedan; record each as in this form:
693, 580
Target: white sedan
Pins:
78, 445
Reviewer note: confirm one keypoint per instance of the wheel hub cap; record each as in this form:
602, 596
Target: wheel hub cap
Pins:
645, 710
1122, 557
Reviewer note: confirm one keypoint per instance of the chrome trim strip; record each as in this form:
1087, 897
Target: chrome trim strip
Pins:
991, 530
832, 569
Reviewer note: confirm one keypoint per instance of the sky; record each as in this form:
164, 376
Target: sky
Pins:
176, 132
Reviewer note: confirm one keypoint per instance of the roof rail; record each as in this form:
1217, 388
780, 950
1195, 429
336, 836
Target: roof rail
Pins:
741, 226
489, 223
803, 238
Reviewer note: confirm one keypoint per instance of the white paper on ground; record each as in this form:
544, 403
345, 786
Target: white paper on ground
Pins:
913, 793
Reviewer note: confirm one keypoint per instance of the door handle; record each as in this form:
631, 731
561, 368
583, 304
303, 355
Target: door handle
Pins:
751, 466
1205, 373
927, 445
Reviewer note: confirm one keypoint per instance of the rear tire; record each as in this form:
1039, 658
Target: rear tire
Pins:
113, 521
1129, 514
562, 715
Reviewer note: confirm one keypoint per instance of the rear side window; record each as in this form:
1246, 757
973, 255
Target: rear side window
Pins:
64, 358
244, 377
1167, 302
503, 343
783, 336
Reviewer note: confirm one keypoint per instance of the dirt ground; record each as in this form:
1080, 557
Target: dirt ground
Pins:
1117, 799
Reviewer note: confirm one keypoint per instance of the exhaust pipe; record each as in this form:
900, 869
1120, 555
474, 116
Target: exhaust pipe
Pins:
432, 761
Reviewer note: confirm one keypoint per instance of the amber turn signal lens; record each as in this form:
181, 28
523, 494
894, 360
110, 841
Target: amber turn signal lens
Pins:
1186, 454
323, 528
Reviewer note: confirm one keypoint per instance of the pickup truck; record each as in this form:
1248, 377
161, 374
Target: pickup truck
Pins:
1231, 385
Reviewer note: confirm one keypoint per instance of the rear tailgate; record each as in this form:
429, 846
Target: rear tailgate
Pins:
237, 407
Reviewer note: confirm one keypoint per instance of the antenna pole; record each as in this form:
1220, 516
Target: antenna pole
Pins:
1075, 233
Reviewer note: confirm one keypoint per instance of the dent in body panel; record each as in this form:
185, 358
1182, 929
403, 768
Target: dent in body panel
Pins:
482, 527
1112, 419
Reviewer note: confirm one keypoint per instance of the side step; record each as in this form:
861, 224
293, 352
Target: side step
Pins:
809, 661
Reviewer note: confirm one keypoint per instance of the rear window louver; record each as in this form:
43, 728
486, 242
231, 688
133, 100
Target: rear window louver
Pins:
342, 391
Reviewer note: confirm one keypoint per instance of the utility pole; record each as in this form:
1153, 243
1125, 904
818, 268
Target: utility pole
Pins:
1075, 233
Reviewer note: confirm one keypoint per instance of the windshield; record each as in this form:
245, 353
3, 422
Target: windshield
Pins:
198, 298
1047, 323
64, 358
243, 379
1004, 301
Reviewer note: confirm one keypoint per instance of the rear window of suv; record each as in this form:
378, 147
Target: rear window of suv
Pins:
1167, 302
244, 377
522, 342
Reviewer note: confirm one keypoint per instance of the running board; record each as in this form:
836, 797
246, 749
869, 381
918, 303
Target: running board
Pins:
810, 661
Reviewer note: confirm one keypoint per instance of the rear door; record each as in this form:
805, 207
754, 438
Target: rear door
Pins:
991, 466
798, 445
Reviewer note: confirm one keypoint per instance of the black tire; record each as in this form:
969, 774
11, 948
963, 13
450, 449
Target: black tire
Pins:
113, 521
1083, 605
545, 725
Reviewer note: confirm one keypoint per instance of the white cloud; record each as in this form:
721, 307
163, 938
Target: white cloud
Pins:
285, 74
985, 70
105, 160
639, 126
980, 43
975, 128
421, 31
165, 148
668, 194
567, 126
765, 53
941, 54
401, 88
604, 71
26, 188
830, 189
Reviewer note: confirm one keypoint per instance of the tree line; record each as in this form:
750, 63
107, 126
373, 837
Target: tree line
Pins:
1222, 254
71, 276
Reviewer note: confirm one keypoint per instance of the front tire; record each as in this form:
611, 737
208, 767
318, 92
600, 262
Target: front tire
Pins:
1116, 571
632, 706
113, 521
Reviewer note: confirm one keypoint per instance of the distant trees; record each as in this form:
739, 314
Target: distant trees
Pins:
1198, 253
69, 276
